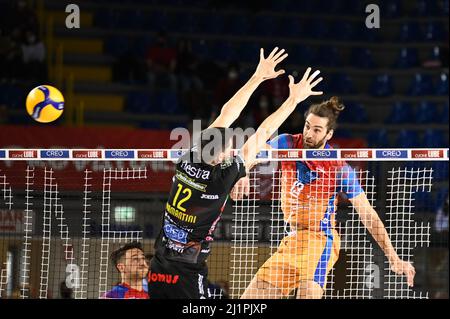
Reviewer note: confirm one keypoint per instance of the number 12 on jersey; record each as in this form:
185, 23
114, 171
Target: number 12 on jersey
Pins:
185, 191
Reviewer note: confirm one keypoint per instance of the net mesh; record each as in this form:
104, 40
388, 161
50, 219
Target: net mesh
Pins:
60, 222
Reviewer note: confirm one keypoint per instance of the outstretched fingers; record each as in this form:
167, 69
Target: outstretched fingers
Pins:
313, 76
278, 54
316, 82
274, 51
306, 75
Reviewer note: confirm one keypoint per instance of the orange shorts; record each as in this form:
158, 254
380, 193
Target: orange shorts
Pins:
302, 256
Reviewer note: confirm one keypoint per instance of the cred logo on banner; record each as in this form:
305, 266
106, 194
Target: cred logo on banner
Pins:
54, 154
119, 154
392, 154
321, 154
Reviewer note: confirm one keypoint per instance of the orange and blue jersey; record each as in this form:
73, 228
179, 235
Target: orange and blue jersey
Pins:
124, 291
308, 201
309, 188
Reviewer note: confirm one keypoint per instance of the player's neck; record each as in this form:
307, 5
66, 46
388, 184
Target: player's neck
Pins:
135, 284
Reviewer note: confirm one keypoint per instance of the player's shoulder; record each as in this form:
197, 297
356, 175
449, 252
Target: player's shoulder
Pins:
118, 291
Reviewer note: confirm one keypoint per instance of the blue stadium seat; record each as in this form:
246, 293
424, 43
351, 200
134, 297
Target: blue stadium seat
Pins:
434, 139
117, 45
278, 6
426, 8
423, 201
342, 30
237, 24
166, 102
156, 20
223, 51
141, 45
407, 139
409, 31
184, 22
131, 19
105, 18
249, 52
290, 27
407, 58
427, 112
12, 96
442, 194
442, 85
316, 30
444, 114
201, 48
401, 112
342, 83
434, 31
391, 9
304, 54
343, 133
362, 58
212, 23
420, 85
265, 25
445, 8
138, 102
382, 85
440, 171
378, 139
354, 113
327, 56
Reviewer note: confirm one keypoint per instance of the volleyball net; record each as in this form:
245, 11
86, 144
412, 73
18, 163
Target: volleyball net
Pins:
63, 212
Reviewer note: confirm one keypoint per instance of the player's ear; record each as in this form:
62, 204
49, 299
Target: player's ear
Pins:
330, 134
120, 267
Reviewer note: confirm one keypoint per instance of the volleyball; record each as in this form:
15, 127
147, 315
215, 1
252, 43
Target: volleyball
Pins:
45, 103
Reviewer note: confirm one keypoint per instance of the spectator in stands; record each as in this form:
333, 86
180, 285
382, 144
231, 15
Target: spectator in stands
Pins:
441, 222
161, 62
33, 56
132, 265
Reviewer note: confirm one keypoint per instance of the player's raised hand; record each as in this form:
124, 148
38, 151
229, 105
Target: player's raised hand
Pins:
302, 90
401, 267
266, 66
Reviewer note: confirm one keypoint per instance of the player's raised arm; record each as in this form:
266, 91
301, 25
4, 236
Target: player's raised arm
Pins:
298, 92
264, 71
374, 225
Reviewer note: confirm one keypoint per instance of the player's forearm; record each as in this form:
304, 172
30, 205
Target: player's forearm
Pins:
376, 228
233, 108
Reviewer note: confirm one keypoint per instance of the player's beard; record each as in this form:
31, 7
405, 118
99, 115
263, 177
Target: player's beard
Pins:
315, 146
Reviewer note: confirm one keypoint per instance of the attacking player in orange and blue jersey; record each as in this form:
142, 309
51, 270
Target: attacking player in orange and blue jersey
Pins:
309, 191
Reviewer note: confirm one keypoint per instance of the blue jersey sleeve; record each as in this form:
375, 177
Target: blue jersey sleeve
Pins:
281, 141
348, 182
